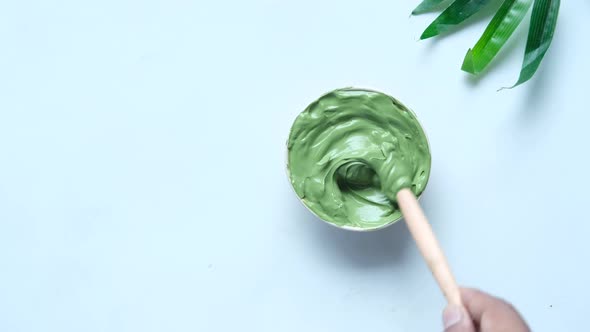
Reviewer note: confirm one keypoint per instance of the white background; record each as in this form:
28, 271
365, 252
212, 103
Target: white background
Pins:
142, 180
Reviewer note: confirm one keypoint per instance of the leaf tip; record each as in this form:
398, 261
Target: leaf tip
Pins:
429, 33
419, 9
467, 65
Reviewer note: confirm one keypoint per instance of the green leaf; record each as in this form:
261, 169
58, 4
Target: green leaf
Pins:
507, 18
543, 22
427, 6
455, 14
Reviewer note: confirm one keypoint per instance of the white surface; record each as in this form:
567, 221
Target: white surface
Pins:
142, 181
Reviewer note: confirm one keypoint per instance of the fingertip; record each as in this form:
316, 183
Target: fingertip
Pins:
457, 319
452, 315
479, 303
476, 302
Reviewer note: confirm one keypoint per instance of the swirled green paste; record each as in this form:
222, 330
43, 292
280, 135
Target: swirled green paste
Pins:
351, 151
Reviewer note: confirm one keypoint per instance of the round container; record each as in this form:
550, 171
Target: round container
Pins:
321, 117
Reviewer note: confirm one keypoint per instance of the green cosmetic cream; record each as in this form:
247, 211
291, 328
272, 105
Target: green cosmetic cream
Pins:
351, 151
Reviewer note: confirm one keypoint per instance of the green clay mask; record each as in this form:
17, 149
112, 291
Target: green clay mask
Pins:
351, 151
